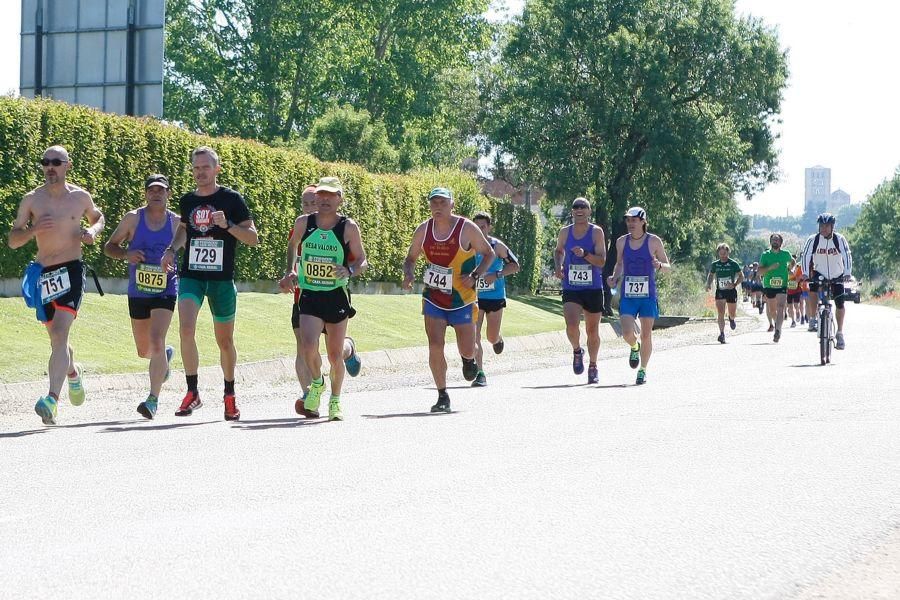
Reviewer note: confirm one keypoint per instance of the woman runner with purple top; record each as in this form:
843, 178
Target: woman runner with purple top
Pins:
640, 255
152, 290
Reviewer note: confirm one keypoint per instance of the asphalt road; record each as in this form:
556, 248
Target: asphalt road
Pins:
738, 471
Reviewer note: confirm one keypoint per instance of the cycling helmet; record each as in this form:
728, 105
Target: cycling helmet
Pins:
826, 219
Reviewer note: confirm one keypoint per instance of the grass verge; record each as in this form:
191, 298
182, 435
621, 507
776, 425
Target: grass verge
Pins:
103, 343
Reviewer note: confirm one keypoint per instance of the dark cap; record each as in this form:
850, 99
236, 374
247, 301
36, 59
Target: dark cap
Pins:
157, 179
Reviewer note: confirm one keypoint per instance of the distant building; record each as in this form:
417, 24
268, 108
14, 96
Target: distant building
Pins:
839, 199
818, 189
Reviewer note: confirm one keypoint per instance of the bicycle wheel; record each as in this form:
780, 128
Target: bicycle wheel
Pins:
824, 337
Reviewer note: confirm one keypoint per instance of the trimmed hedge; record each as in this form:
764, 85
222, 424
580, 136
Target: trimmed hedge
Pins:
112, 155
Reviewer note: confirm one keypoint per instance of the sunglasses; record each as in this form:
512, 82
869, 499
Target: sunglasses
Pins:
46, 162
579, 205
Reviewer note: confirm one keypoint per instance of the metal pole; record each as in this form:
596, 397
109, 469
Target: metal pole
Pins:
130, 58
39, 50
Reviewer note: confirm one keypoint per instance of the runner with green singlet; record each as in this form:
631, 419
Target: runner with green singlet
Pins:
320, 249
773, 267
728, 275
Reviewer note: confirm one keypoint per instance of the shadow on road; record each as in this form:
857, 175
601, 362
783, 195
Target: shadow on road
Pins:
15, 434
98, 424
611, 386
278, 423
811, 365
153, 427
415, 414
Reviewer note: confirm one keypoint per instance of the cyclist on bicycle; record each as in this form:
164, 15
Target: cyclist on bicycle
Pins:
827, 254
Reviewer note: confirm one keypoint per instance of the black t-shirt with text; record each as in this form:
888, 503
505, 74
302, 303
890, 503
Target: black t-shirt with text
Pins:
209, 250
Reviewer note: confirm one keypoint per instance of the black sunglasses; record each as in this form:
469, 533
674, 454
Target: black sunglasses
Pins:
579, 205
46, 162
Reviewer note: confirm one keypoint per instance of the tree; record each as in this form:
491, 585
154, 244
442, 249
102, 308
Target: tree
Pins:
664, 103
348, 135
875, 238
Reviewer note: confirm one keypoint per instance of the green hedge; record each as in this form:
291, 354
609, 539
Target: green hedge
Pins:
112, 155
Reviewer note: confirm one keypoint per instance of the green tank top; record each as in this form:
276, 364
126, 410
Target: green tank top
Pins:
321, 250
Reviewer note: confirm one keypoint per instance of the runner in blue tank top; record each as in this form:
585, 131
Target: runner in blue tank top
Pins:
640, 254
151, 290
491, 293
579, 258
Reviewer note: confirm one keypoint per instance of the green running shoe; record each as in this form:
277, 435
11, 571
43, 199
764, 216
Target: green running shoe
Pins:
313, 397
46, 410
334, 409
634, 358
76, 389
480, 380
641, 377
147, 408
352, 363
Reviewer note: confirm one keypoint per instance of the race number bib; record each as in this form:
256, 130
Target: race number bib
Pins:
54, 284
150, 279
319, 270
724, 282
206, 254
776, 282
637, 286
793, 284
439, 278
581, 275
483, 286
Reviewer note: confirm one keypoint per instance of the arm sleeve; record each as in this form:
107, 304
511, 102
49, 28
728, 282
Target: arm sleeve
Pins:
806, 256
846, 255
239, 210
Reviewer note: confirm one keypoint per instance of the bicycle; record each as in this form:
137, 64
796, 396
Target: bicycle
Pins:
826, 324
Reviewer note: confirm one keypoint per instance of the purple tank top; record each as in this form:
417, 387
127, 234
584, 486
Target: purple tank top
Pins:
638, 276
147, 279
579, 274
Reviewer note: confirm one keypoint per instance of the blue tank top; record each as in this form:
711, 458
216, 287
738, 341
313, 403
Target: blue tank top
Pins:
638, 276
148, 280
498, 289
579, 274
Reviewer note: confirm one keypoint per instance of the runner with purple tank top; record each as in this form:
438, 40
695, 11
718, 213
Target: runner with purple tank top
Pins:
152, 291
579, 258
640, 254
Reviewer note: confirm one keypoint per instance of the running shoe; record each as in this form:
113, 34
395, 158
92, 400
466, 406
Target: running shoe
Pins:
578, 361
498, 347
771, 328
443, 404
147, 408
352, 363
298, 404
231, 410
732, 324
721, 338
641, 377
813, 325
480, 380
46, 410
170, 352
76, 388
634, 357
593, 376
334, 409
839, 341
313, 397
793, 324
189, 404
469, 369
777, 336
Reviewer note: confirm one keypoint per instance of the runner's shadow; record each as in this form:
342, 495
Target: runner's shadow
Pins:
153, 427
611, 386
415, 414
550, 387
812, 365
97, 424
15, 434
289, 423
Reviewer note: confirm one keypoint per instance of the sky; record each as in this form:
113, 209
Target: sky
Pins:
840, 108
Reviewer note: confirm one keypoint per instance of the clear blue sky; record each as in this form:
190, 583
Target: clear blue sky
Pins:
840, 109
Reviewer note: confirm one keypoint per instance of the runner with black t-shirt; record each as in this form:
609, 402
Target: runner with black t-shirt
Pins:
213, 220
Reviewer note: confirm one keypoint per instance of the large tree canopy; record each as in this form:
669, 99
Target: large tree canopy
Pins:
665, 103
267, 70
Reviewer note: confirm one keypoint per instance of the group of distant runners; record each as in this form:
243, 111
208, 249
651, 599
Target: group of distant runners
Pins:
464, 281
